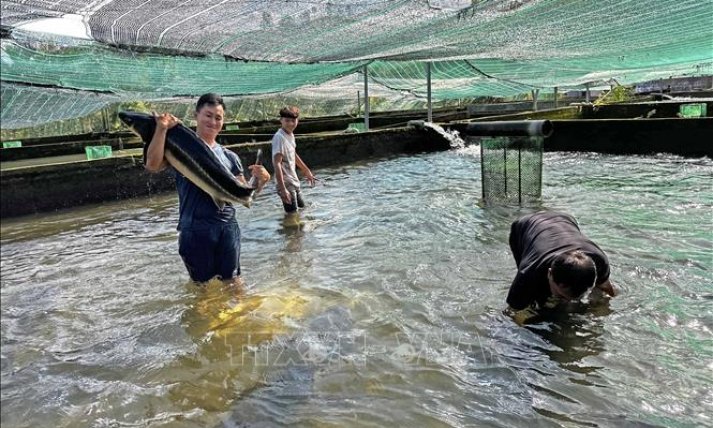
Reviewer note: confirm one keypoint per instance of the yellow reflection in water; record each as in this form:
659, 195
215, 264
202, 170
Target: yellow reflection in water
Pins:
231, 331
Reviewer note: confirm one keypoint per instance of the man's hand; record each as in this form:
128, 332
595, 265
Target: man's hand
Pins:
284, 195
259, 172
165, 121
155, 160
523, 316
311, 179
607, 287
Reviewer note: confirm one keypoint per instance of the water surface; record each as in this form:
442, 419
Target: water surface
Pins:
381, 307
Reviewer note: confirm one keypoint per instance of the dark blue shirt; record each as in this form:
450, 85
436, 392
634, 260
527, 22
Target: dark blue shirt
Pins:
196, 208
536, 240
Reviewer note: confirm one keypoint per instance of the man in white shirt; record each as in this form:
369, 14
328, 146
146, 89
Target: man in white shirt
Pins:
285, 159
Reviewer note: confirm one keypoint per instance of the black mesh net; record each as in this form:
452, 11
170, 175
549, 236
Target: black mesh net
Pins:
511, 169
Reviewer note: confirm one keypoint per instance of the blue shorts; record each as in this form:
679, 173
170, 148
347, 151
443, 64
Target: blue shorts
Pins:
211, 251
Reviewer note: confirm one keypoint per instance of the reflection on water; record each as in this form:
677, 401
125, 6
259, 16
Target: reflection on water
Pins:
380, 304
229, 332
574, 332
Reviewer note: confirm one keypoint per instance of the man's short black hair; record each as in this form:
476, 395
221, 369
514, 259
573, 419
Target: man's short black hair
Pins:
575, 271
291, 112
209, 99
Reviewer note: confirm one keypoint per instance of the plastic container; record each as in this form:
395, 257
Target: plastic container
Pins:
693, 110
356, 127
97, 152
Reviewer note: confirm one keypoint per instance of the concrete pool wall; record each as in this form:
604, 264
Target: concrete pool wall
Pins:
46, 187
52, 183
257, 131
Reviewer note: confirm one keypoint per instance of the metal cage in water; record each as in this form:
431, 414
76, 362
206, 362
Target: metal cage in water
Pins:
511, 169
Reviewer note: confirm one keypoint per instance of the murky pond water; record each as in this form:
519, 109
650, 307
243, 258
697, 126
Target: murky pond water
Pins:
382, 307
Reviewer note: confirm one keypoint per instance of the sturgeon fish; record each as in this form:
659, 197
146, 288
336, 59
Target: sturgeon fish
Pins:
188, 154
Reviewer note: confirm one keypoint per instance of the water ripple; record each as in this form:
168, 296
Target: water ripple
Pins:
381, 305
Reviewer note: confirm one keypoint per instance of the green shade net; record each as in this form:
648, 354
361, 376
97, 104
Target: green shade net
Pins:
164, 50
150, 76
27, 106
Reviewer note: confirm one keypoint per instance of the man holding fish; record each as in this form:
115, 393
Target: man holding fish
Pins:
209, 241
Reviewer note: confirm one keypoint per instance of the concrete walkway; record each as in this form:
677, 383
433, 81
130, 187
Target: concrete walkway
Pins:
57, 160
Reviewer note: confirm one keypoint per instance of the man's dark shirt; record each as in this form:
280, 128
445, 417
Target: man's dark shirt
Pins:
535, 240
196, 208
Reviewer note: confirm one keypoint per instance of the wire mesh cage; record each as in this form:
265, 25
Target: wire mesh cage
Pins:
511, 169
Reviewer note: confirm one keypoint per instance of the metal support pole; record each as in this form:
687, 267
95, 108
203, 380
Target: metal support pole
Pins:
519, 172
556, 102
105, 119
366, 98
535, 93
586, 94
482, 172
358, 104
505, 169
428, 91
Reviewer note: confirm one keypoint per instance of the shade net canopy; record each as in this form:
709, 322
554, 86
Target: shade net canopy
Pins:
64, 59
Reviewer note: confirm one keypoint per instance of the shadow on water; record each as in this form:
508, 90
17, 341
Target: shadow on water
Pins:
502, 215
574, 330
556, 360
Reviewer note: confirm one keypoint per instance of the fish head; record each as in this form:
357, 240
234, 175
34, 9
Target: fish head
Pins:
141, 124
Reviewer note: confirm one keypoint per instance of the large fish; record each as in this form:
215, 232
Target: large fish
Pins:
188, 154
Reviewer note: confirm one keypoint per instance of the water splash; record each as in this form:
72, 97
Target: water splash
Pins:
452, 136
